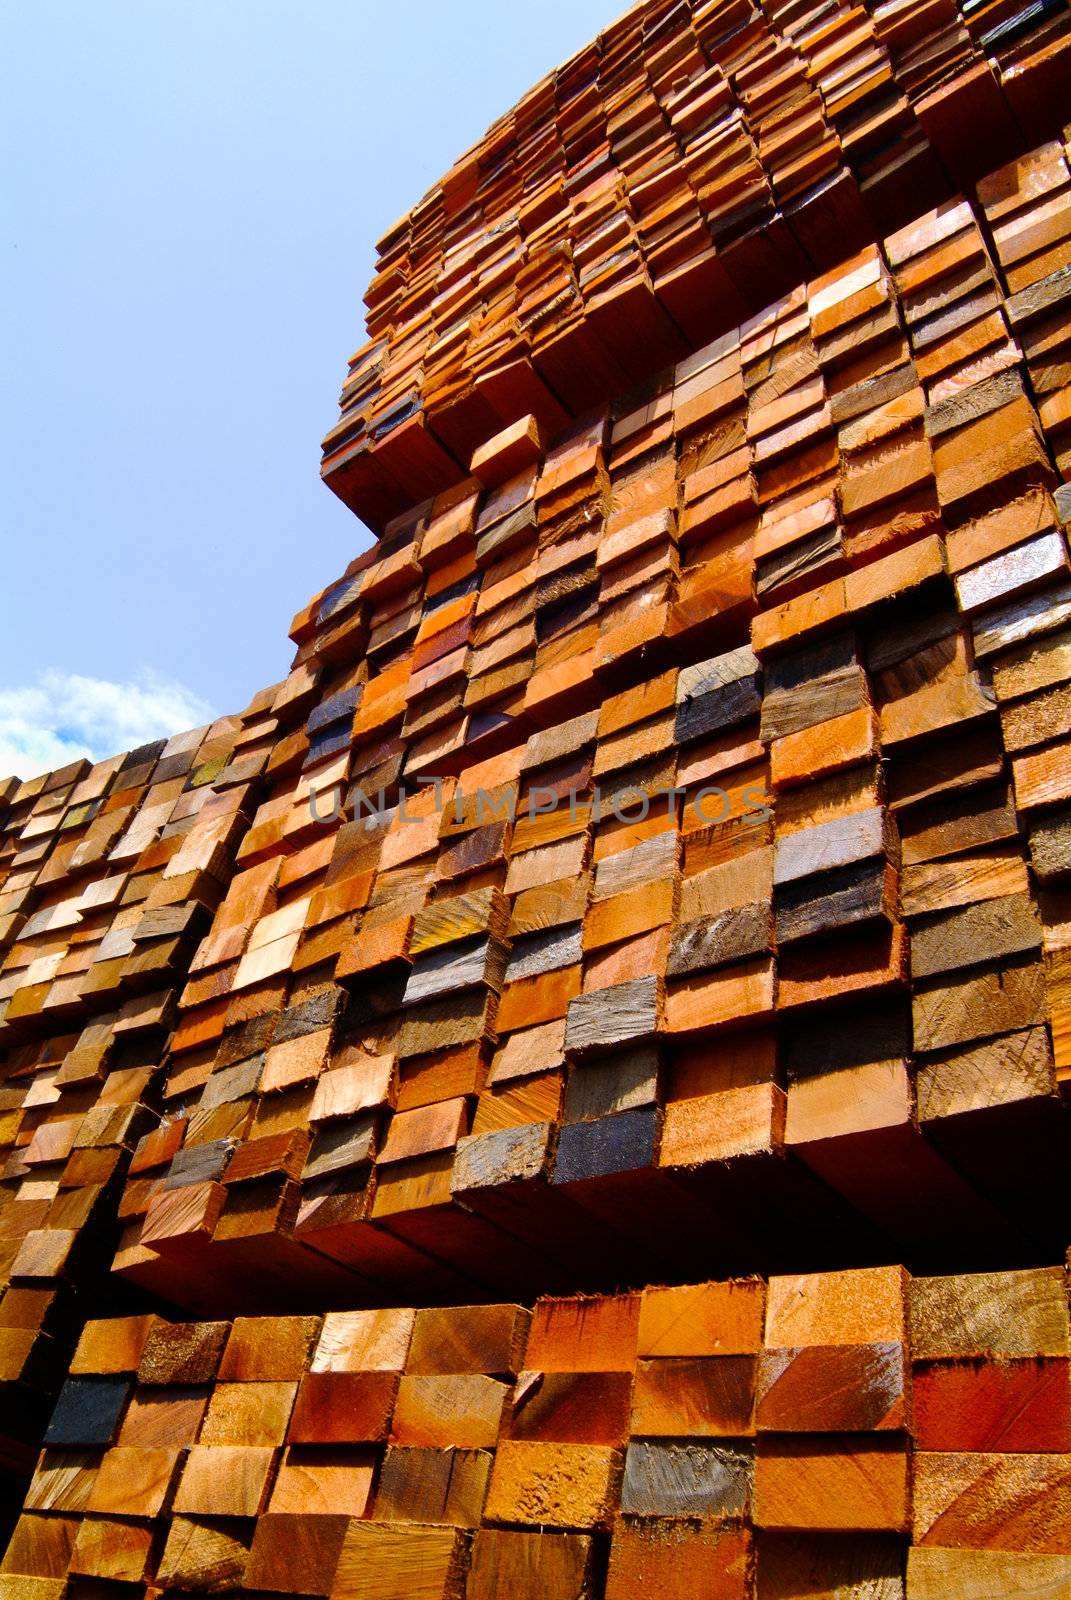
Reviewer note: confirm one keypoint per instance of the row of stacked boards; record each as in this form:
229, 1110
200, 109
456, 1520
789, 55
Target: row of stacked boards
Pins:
567, 1089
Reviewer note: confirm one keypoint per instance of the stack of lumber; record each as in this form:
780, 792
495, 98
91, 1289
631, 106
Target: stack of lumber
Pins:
726, 1438
691, 164
109, 876
655, 866
666, 829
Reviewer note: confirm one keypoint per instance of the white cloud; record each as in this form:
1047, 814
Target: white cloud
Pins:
64, 716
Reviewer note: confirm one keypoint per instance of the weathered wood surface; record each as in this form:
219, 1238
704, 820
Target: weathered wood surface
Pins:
1002, 1071
619, 1083
839, 843
498, 1157
1020, 1313
731, 935
717, 694
711, 1481
449, 971
812, 686
974, 1007
829, 901
1007, 926
621, 1142
623, 1015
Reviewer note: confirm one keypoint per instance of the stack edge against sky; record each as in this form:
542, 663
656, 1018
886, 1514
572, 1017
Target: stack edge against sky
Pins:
566, 1094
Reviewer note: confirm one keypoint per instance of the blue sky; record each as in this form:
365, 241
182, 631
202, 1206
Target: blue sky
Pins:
193, 189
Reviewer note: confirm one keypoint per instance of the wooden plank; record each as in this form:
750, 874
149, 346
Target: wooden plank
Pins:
470, 1339
248, 1413
401, 1563
619, 1083
670, 1479
596, 1333
1012, 1407
343, 1408
621, 1142
112, 1345
446, 1487
822, 904
459, 917
88, 1411
936, 1574
966, 880
1006, 926
571, 1408
553, 1485
536, 1101
836, 1482
832, 1389
157, 1417
726, 997
106, 1548
449, 970
62, 1481
265, 1349
718, 694
862, 1306
808, 687
670, 1557
702, 1320
541, 1566
182, 1352
746, 1120
448, 1412
623, 1015
296, 1555
976, 1007
202, 1554
40, 1547
325, 1482
839, 843
225, 1480
990, 1501
995, 1072
731, 935
831, 1565
1000, 1314
491, 1160
701, 1397
133, 1480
